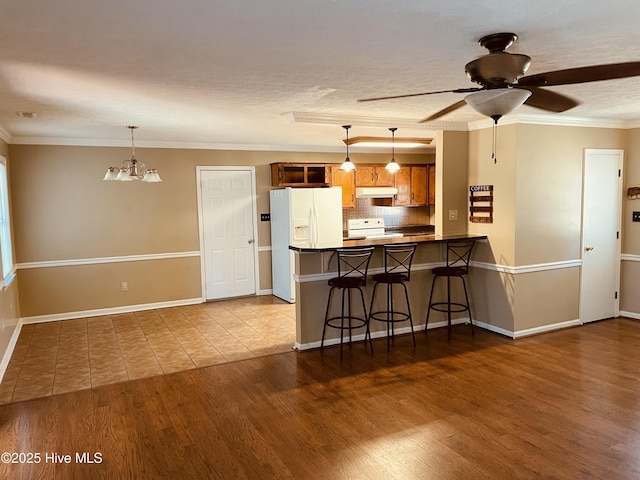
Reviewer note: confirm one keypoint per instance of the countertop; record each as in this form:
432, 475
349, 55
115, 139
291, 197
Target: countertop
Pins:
379, 242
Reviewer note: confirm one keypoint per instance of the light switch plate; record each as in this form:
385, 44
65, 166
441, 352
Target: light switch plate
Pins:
635, 217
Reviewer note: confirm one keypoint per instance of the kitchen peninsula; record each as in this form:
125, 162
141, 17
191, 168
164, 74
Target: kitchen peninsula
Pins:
316, 264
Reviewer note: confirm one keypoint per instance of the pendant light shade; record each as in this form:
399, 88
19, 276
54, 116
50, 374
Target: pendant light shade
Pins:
392, 166
132, 169
347, 165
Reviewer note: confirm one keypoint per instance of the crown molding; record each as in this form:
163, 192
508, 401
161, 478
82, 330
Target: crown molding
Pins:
331, 119
555, 120
101, 142
5, 135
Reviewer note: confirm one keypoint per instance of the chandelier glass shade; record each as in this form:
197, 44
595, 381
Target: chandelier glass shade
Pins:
132, 169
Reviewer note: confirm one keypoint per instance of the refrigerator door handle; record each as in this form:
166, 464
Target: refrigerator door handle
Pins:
313, 225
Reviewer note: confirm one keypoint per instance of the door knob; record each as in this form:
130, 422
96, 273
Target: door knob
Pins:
251, 240
588, 249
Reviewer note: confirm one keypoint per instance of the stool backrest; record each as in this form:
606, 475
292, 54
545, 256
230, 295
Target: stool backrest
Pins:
354, 262
398, 258
459, 253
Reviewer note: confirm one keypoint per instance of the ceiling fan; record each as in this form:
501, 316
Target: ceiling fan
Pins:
503, 88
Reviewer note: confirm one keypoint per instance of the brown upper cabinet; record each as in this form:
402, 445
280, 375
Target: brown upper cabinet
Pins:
346, 180
432, 185
300, 175
411, 182
373, 176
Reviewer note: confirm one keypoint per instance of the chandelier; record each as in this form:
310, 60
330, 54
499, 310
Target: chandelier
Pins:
132, 169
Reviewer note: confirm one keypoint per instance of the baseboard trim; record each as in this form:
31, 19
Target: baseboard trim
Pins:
635, 316
546, 328
54, 317
9, 350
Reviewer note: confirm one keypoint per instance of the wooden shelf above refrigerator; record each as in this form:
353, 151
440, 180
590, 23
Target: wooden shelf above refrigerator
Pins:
300, 175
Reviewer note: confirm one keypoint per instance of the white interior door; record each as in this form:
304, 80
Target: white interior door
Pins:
601, 216
227, 232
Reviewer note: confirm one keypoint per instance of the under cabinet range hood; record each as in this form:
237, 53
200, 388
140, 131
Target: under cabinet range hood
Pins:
376, 192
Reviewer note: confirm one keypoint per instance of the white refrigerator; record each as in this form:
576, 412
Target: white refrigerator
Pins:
303, 217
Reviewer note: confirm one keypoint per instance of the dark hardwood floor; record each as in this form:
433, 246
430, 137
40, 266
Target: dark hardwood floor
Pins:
563, 405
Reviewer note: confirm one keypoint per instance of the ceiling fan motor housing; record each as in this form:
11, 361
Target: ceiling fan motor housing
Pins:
497, 69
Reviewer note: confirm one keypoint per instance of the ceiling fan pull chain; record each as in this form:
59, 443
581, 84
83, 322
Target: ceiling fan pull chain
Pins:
495, 138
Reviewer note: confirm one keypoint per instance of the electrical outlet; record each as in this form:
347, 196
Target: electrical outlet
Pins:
124, 286
635, 217
453, 214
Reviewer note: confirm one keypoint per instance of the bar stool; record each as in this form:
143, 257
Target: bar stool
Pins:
397, 271
353, 265
457, 266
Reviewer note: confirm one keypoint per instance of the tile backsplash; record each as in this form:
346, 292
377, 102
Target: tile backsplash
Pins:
393, 216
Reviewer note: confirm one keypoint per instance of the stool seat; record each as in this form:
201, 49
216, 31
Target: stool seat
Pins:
449, 271
346, 282
458, 257
390, 277
397, 271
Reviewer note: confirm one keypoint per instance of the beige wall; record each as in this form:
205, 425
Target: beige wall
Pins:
537, 220
64, 211
451, 181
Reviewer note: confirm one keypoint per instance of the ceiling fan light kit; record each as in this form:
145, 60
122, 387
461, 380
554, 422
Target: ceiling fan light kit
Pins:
497, 102
132, 169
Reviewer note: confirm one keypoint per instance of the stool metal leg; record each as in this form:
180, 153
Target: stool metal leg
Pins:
448, 308
366, 317
389, 314
426, 323
464, 284
406, 295
326, 317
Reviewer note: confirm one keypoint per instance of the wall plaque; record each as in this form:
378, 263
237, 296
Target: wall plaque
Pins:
481, 203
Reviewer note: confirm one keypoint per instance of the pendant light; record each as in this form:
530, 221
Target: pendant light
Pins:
347, 165
392, 166
132, 169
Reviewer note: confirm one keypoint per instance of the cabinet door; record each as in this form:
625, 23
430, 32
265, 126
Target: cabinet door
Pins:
419, 185
403, 184
384, 178
365, 176
346, 180
432, 185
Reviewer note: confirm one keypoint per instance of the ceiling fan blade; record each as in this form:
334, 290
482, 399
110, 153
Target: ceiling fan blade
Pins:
592, 73
457, 90
444, 111
548, 100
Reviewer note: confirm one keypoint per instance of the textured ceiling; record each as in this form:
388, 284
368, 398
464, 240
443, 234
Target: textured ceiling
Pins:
226, 72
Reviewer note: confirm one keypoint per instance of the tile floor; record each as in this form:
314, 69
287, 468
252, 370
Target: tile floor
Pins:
58, 357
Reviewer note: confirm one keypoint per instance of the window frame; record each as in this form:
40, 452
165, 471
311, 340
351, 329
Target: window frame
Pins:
6, 234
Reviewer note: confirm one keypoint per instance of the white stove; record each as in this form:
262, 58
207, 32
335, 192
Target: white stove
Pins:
368, 228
